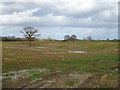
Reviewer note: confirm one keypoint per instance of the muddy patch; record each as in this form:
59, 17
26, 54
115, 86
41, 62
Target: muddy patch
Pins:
9, 47
40, 47
29, 76
54, 52
43, 78
79, 75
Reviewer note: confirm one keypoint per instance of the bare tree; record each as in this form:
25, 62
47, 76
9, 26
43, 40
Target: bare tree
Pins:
73, 38
67, 37
30, 33
89, 38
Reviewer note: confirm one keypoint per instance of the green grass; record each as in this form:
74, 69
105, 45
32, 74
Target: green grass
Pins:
116, 72
37, 56
34, 77
100, 59
71, 83
83, 65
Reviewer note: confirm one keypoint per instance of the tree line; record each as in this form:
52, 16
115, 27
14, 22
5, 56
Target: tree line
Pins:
74, 38
12, 38
31, 34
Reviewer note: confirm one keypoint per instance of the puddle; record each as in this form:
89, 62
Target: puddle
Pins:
77, 51
117, 61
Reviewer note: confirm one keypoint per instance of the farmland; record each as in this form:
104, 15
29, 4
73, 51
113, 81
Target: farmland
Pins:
50, 64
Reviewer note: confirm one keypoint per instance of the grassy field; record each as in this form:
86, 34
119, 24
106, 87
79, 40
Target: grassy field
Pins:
100, 60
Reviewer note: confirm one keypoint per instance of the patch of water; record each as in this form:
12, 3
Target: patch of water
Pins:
23, 73
77, 51
117, 61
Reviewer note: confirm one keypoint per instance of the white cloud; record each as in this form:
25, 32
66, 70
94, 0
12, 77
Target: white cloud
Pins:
18, 18
25, 13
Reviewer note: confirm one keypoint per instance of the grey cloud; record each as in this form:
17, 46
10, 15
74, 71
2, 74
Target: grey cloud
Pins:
62, 15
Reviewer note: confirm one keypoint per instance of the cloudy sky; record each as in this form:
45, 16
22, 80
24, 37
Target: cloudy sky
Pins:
55, 19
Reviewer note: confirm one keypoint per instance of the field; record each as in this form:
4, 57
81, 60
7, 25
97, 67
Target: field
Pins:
54, 64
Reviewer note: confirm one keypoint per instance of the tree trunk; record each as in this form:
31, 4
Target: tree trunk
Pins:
29, 43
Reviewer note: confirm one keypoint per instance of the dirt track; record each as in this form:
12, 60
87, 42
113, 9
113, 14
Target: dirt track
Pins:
58, 80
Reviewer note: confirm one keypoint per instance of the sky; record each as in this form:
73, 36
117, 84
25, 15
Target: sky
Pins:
55, 19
